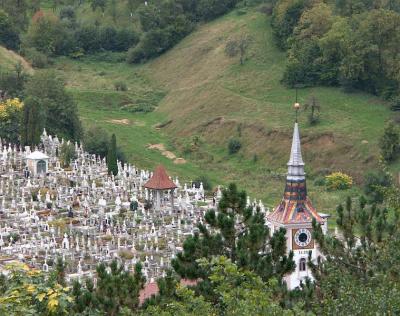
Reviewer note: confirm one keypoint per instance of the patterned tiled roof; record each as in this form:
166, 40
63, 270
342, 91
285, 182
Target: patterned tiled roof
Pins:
160, 180
294, 212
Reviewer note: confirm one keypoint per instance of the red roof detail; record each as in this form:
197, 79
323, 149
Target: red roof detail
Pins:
160, 180
295, 207
148, 291
295, 212
151, 289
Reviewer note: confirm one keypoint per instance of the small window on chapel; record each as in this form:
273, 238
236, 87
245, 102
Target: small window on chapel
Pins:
302, 264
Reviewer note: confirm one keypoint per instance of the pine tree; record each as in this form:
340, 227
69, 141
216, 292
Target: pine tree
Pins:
360, 273
237, 292
390, 142
239, 233
59, 272
116, 289
112, 156
32, 122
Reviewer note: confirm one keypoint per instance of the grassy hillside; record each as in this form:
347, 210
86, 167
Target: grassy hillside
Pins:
8, 60
204, 98
212, 95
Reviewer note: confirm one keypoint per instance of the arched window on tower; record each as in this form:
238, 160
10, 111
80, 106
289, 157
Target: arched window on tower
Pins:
302, 264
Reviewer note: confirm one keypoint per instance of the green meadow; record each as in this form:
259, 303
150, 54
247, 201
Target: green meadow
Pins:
203, 98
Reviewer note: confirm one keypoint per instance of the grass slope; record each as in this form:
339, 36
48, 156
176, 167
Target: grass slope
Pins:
8, 60
204, 98
206, 85
216, 98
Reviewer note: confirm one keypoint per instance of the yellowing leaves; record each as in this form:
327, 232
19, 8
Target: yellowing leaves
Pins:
52, 304
41, 297
53, 296
30, 288
17, 266
9, 106
33, 272
15, 293
338, 181
29, 291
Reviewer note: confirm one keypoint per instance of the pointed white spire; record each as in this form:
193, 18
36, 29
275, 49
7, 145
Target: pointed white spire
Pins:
296, 164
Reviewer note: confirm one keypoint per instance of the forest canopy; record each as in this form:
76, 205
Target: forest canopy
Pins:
353, 44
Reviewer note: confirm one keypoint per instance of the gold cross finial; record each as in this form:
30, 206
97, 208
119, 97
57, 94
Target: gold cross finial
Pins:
297, 108
296, 105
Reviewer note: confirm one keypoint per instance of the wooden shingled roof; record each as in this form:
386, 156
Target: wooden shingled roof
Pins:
160, 180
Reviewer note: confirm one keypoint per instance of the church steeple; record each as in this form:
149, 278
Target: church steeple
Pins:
296, 213
296, 163
295, 207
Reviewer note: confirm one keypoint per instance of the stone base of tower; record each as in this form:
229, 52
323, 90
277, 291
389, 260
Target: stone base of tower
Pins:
302, 271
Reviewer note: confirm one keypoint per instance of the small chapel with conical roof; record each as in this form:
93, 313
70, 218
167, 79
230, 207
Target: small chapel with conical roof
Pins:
295, 213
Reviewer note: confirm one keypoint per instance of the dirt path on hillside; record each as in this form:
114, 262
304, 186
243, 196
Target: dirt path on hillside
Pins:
121, 122
125, 122
167, 153
14, 56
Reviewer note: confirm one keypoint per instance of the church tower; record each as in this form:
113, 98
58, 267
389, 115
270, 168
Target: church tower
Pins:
295, 213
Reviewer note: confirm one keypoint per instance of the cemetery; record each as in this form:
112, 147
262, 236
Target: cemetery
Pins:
85, 216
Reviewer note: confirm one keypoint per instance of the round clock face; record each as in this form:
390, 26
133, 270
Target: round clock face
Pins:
302, 237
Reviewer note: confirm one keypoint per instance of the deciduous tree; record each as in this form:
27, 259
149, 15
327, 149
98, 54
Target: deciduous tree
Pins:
59, 108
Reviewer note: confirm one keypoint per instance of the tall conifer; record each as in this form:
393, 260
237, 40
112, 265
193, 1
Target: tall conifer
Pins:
32, 122
112, 156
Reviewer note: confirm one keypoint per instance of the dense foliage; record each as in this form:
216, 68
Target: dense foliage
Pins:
350, 43
12, 82
390, 142
45, 104
117, 290
29, 292
359, 276
374, 182
155, 26
234, 146
248, 244
165, 23
8, 34
10, 117
96, 140
60, 113
338, 181
233, 291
